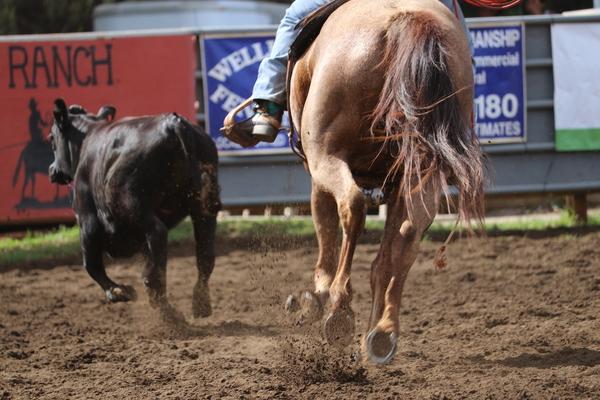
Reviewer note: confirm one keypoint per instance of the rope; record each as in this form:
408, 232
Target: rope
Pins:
494, 4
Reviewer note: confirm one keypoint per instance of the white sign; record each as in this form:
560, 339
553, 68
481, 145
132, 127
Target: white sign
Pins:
576, 58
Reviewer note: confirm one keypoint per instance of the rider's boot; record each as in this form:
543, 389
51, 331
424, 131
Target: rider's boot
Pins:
265, 123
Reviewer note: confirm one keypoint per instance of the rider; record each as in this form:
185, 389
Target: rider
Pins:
269, 94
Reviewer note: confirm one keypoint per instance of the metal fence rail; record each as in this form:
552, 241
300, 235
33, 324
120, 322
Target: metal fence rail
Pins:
530, 167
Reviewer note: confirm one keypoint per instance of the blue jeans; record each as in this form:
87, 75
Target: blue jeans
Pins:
270, 83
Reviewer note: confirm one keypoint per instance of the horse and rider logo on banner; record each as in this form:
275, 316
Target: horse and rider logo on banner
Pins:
34, 160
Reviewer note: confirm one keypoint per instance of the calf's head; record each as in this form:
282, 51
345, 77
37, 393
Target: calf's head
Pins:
66, 136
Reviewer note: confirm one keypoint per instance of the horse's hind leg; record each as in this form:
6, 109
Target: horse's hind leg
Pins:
332, 174
398, 251
326, 222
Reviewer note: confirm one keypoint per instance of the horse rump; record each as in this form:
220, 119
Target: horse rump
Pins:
420, 113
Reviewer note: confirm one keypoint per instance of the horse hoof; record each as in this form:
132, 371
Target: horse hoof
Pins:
201, 307
291, 304
311, 307
381, 346
339, 328
121, 293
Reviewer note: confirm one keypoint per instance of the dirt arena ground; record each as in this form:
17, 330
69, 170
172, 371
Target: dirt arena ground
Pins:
512, 317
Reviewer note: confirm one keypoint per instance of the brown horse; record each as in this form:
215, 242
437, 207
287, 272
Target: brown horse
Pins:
383, 101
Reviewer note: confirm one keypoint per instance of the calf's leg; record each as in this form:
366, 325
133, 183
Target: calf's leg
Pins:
204, 234
91, 248
155, 273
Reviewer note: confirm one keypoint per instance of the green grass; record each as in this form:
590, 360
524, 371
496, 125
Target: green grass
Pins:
63, 243
565, 221
39, 246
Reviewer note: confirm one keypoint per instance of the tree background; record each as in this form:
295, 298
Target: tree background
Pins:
47, 16
57, 16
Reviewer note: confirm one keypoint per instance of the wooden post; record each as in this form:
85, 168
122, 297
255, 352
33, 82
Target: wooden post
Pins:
577, 205
383, 211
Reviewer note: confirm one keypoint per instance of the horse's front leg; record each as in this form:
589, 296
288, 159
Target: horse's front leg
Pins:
398, 251
332, 174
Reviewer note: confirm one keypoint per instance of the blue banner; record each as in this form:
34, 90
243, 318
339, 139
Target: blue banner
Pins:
500, 106
230, 67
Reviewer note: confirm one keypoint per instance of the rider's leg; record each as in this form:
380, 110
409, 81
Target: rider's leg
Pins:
269, 90
270, 83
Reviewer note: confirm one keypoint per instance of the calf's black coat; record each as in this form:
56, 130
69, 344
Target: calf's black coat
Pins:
134, 179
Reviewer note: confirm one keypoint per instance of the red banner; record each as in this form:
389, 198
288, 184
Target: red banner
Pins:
138, 75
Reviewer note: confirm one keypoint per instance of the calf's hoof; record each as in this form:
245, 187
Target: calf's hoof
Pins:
201, 307
170, 315
121, 293
339, 327
155, 299
381, 346
307, 304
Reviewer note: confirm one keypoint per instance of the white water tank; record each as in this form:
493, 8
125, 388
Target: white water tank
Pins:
186, 14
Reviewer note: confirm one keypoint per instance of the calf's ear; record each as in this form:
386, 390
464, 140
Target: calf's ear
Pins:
61, 114
107, 113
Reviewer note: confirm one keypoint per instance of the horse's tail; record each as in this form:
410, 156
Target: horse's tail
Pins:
18, 169
421, 115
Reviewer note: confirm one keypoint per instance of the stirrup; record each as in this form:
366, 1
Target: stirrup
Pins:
264, 130
236, 135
